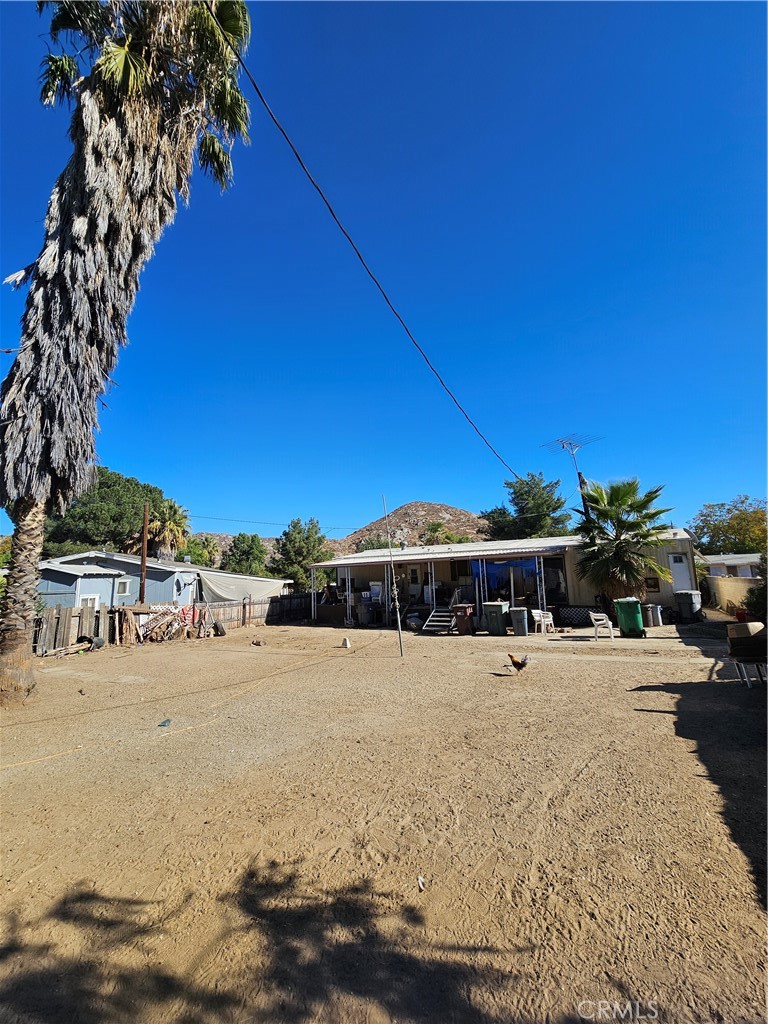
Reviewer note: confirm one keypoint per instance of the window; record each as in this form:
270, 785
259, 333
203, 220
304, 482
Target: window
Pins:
652, 584
89, 601
123, 587
678, 559
414, 575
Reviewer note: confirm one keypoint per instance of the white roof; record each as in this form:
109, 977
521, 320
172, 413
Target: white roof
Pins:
77, 570
152, 563
731, 559
488, 549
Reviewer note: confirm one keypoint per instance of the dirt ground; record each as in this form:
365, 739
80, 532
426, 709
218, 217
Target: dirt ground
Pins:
329, 835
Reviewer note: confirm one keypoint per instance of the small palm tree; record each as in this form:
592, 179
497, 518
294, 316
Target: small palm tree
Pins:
434, 533
620, 531
438, 533
210, 550
153, 84
169, 529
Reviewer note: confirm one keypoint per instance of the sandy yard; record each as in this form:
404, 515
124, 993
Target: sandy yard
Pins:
590, 830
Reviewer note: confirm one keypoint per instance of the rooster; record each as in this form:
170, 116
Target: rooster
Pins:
518, 663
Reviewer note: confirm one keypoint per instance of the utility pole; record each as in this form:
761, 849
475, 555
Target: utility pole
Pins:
394, 581
144, 539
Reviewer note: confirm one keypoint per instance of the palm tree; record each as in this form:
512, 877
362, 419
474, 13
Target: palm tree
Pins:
154, 83
210, 550
169, 529
619, 534
438, 533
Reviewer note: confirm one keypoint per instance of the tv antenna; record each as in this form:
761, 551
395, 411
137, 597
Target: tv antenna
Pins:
573, 443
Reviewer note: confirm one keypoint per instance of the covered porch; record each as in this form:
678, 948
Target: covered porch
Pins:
421, 582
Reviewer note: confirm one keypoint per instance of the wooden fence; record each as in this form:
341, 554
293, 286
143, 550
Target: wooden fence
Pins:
271, 611
59, 627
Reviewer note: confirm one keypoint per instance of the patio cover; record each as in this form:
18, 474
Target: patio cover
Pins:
231, 586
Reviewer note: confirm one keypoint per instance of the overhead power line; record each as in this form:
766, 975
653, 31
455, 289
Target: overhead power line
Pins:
262, 522
351, 529
355, 249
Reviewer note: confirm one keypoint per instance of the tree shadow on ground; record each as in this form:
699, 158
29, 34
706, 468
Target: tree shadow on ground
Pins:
324, 955
332, 944
87, 984
728, 724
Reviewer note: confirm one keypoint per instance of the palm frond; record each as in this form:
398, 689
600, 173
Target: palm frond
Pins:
215, 160
90, 18
230, 109
230, 24
235, 22
122, 68
58, 72
136, 15
620, 530
21, 277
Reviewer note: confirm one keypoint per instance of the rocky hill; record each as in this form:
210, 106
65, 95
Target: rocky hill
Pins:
408, 523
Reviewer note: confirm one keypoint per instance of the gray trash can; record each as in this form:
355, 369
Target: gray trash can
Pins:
495, 613
519, 619
647, 614
655, 614
689, 605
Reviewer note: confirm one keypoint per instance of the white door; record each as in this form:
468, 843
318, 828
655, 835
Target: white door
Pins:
681, 573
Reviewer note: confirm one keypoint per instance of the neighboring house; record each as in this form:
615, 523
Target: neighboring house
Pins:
732, 565
74, 585
110, 579
538, 572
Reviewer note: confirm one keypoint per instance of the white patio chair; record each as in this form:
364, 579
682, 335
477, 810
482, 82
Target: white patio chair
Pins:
542, 620
601, 621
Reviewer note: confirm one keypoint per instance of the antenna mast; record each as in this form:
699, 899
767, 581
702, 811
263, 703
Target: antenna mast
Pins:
571, 444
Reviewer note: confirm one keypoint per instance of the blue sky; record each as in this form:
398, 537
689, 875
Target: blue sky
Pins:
566, 202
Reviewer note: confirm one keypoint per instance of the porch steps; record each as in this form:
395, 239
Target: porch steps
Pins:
441, 620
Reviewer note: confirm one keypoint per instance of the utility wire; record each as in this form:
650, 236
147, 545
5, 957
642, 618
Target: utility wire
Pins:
263, 522
352, 529
355, 249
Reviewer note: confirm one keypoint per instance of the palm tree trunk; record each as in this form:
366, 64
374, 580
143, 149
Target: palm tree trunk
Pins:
17, 609
107, 210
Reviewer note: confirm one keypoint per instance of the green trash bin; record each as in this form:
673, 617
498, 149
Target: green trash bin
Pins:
495, 613
630, 616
